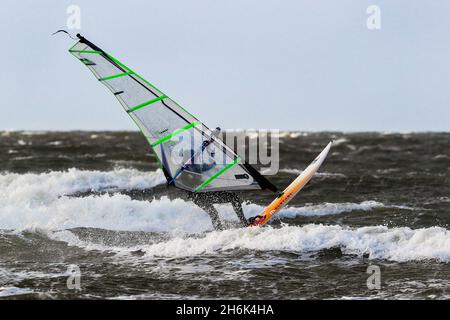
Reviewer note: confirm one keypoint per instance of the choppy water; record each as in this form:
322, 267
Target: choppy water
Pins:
380, 199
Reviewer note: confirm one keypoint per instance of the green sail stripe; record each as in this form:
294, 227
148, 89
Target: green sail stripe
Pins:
146, 104
176, 132
131, 116
116, 76
204, 184
129, 111
86, 51
136, 74
119, 63
129, 70
125, 67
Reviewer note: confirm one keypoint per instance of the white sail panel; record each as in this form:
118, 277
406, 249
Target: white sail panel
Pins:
191, 157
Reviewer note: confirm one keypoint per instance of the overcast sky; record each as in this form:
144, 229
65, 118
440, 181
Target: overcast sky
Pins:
298, 65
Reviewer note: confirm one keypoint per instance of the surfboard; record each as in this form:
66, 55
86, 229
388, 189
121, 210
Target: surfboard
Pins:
289, 193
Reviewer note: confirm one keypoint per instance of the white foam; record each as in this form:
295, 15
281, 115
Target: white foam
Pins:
36, 200
327, 208
29, 188
32, 133
33, 201
13, 291
377, 242
339, 141
112, 212
22, 158
318, 174
30, 201
292, 134
120, 212
21, 142
398, 244
55, 143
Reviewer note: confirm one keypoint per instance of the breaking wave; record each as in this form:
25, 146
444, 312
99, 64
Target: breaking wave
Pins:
32, 187
120, 212
36, 201
318, 174
30, 201
325, 209
377, 242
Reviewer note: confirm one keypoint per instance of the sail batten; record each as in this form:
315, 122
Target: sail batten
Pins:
176, 132
146, 103
116, 76
204, 184
86, 51
189, 154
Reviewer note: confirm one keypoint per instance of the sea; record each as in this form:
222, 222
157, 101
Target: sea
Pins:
88, 215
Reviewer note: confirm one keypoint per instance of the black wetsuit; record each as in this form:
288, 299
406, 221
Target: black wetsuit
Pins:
206, 201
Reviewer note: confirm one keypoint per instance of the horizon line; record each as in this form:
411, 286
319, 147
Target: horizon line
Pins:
253, 129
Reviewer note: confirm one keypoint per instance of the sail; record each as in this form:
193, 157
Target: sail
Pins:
190, 154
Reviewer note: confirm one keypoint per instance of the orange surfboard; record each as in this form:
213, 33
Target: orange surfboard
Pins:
289, 193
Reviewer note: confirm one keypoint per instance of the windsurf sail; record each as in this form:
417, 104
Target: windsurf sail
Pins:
190, 154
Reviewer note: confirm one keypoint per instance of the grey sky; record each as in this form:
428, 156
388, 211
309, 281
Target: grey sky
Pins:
299, 65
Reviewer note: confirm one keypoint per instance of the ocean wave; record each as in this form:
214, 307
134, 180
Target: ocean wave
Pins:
41, 209
55, 143
13, 291
292, 134
39, 201
377, 242
120, 212
441, 156
325, 209
318, 174
22, 142
18, 189
339, 141
387, 171
32, 202
22, 158
32, 133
